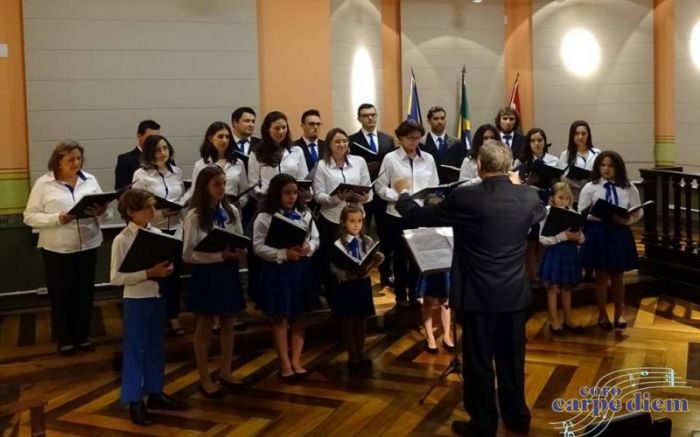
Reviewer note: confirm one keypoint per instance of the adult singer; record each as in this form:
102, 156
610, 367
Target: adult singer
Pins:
489, 285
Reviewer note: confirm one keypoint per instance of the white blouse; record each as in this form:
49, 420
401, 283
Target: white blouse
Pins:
626, 198
584, 162
293, 163
271, 254
329, 176
236, 178
136, 284
548, 159
422, 174
169, 186
468, 169
50, 197
193, 234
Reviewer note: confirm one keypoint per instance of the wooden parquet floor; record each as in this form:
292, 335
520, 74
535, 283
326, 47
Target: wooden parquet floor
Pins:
83, 392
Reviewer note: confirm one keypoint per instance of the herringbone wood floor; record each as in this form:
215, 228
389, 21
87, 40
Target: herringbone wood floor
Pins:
83, 392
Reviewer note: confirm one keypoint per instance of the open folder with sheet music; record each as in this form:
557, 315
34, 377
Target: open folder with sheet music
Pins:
80, 209
349, 263
150, 248
218, 239
431, 248
605, 210
285, 233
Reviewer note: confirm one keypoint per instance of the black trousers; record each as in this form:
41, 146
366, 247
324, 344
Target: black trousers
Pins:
377, 209
405, 269
170, 287
70, 280
489, 338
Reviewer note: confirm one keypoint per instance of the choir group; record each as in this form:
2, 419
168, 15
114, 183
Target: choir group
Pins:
241, 183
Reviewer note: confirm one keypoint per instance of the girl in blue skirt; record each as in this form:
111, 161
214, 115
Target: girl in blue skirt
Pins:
560, 268
352, 299
610, 248
215, 288
288, 286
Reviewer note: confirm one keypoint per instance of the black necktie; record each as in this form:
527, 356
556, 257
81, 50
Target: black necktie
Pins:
507, 137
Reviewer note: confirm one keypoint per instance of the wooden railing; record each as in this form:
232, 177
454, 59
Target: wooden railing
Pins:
671, 229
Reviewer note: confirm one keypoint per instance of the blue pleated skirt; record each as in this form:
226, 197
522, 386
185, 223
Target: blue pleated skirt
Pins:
215, 289
609, 246
288, 289
353, 298
434, 285
561, 264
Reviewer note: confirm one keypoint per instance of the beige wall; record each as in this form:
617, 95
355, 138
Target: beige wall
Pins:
687, 88
438, 37
95, 68
618, 99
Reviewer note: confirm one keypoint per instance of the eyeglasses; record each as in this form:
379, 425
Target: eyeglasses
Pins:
373, 115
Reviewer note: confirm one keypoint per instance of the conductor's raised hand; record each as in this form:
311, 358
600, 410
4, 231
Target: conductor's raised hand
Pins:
160, 270
401, 184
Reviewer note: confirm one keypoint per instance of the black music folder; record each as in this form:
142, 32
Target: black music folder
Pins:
218, 239
605, 210
304, 184
546, 174
358, 189
150, 248
187, 183
349, 263
285, 233
560, 219
431, 248
578, 173
162, 203
443, 189
90, 200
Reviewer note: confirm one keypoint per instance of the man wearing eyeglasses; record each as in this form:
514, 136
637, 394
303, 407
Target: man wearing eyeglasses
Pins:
309, 142
373, 145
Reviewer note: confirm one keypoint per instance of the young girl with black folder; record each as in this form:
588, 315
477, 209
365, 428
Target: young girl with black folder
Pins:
560, 268
215, 284
287, 286
610, 248
352, 299
143, 360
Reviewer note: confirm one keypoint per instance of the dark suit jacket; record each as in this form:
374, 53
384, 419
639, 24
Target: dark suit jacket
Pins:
385, 144
320, 148
518, 145
456, 151
491, 221
127, 164
254, 142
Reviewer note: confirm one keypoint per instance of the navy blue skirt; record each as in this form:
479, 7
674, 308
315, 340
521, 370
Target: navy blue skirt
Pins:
353, 298
287, 290
434, 285
215, 289
561, 264
609, 246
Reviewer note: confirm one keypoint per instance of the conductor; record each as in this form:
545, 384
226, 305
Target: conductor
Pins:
489, 290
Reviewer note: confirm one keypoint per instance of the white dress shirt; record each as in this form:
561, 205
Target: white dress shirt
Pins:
329, 176
548, 159
50, 197
246, 145
627, 198
169, 186
375, 139
508, 143
397, 164
136, 284
193, 234
584, 162
271, 254
236, 178
293, 163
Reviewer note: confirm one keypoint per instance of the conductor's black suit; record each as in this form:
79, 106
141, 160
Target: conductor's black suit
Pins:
491, 221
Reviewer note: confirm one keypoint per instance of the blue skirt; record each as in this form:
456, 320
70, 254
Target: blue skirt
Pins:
215, 289
353, 298
609, 246
561, 264
434, 285
287, 290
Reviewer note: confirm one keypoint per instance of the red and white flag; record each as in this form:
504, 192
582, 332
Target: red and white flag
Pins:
515, 96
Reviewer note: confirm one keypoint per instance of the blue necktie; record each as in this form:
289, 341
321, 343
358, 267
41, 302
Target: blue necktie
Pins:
507, 137
442, 147
313, 153
220, 217
611, 193
372, 144
292, 215
241, 145
354, 248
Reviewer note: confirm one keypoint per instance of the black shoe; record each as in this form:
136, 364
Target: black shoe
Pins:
431, 350
605, 325
240, 326
289, 379
139, 413
463, 427
556, 332
67, 351
86, 346
217, 394
447, 347
162, 401
575, 329
235, 386
620, 324
517, 427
